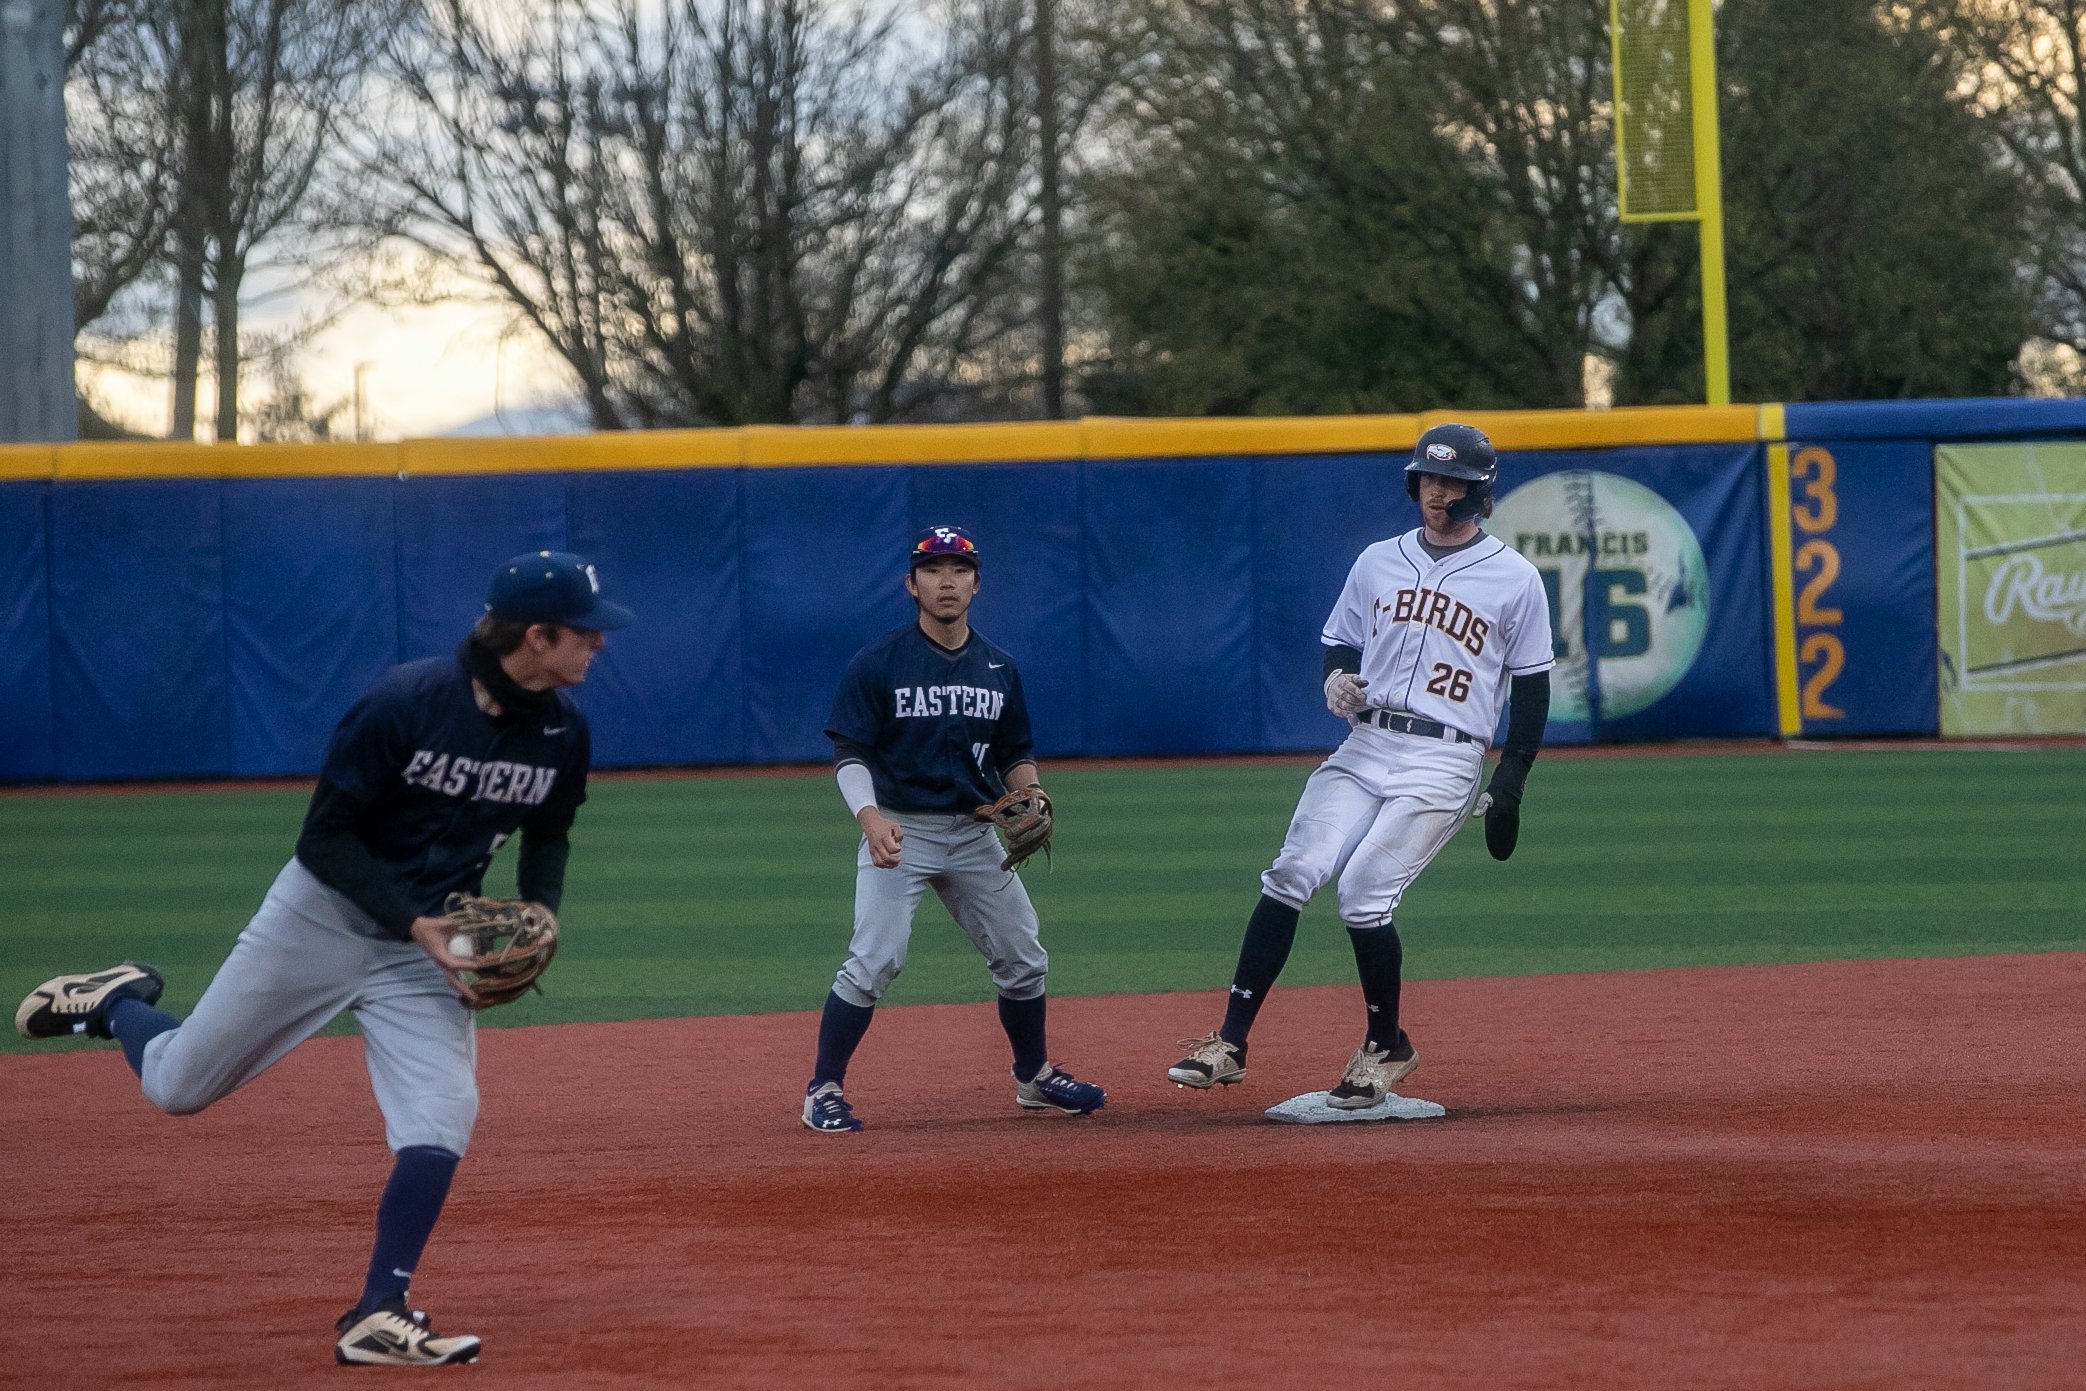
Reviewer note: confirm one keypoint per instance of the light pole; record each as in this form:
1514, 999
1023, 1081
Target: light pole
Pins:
362, 401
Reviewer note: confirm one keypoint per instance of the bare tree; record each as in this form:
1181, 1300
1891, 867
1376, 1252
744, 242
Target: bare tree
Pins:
2025, 65
124, 149
730, 211
200, 131
1441, 167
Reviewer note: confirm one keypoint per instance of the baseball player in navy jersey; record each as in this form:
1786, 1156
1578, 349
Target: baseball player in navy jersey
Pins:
930, 723
425, 777
1431, 631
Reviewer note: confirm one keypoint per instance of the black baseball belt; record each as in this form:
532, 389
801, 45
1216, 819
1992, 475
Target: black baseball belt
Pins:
1401, 723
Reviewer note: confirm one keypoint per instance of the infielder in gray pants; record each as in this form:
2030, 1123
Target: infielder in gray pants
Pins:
930, 723
425, 777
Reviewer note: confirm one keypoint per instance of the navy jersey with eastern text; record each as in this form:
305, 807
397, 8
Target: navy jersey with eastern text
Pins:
439, 785
937, 729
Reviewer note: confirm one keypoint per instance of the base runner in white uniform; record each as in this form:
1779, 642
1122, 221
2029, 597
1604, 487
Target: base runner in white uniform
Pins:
1430, 630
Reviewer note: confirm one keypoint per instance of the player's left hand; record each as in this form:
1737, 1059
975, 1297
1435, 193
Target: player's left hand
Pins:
1502, 812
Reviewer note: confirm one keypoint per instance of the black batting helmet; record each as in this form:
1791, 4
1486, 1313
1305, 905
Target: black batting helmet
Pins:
1456, 451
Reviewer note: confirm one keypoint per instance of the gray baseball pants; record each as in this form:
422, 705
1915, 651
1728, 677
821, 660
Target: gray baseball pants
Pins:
961, 859
307, 955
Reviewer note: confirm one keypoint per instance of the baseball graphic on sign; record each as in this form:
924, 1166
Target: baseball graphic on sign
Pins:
1626, 579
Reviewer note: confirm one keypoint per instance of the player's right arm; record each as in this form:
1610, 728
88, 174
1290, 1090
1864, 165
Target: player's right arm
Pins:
856, 720
369, 747
1346, 630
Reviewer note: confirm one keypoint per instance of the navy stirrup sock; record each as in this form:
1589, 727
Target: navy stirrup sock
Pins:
1270, 933
133, 1023
412, 1201
1379, 957
1023, 1021
840, 1031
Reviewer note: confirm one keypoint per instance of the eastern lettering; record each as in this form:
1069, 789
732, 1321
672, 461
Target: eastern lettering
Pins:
927, 702
491, 780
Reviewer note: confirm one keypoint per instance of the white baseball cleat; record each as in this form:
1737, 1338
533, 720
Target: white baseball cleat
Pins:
393, 1336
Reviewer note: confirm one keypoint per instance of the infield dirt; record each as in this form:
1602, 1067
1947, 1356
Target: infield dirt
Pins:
1835, 1175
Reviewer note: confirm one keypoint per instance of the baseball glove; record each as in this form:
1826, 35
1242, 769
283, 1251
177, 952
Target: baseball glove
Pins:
1023, 818
509, 944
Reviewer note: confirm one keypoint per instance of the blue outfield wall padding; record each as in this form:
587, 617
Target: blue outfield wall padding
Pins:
1169, 569
138, 629
28, 749
666, 689
1313, 516
311, 611
822, 577
452, 533
1639, 598
1031, 597
1878, 532
1962, 419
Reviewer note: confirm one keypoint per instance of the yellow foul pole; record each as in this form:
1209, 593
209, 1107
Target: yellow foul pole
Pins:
1709, 201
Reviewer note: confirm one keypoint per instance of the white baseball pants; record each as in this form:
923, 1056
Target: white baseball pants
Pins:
1371, 817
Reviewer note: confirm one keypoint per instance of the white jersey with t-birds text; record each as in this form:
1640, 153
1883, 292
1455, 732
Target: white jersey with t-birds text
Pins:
1440, 638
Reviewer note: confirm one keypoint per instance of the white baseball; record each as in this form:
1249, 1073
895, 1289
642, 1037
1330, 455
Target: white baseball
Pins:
462, 945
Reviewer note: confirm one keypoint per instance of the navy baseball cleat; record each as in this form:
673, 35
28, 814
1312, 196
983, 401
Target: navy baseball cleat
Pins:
69, 1005
825, 1108
391, 1335
1053, 1089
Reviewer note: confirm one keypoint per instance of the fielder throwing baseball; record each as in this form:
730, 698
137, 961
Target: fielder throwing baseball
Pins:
1428, 632
425, 777
929, 726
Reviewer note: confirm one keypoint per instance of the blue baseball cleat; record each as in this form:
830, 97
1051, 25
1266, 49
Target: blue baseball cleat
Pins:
1053, 1089
825, 1108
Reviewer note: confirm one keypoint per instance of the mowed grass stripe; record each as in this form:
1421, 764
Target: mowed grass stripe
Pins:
734, 895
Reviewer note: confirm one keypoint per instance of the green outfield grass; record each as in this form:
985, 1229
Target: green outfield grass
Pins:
732, 895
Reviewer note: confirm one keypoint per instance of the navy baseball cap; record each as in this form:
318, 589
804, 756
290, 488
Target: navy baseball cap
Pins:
553, 587
940, 542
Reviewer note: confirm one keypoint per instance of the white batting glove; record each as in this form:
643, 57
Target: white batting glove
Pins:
1345, 694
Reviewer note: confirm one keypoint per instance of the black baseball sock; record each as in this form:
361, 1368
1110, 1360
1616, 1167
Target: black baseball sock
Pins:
1380, 958
1023, 1021
1270, 933
413, 1199
840, 1031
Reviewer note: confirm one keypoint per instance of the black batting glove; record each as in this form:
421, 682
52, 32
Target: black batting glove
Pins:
1503, 806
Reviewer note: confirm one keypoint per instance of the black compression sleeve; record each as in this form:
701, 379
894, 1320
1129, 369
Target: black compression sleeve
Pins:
1341, 657
329, 847
1528, 710
539, 871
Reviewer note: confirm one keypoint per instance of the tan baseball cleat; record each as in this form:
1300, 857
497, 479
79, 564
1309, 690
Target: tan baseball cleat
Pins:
1371, 1073
1210, 1062
78, 1004
393, 1336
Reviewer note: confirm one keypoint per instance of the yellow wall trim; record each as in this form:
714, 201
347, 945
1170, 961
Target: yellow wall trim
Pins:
777, 446
1782, 590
